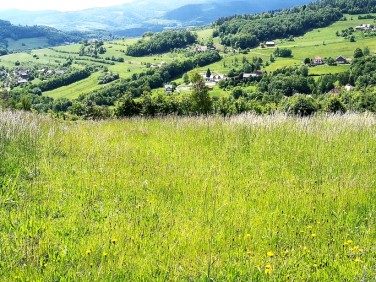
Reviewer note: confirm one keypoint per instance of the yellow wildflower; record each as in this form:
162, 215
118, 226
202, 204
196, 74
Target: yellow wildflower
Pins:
357, 260
270, 254
113, 240
88, 252
268, 269
313, 235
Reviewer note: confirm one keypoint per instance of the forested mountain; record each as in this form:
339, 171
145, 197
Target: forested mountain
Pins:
205, 13
16, 32
127, 20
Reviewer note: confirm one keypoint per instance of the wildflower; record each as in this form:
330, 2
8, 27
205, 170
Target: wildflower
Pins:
270, 254
113, 241
313, 235
305, 249
88, 252
309, 227
293, 217
357, 260
105, 254
247, 235
268, 269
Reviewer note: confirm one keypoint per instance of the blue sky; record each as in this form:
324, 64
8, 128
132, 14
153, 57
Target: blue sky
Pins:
64, 5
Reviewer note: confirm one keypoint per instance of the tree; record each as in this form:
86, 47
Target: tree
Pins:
366, 51
202, 102
358, 53
185, 78
332, 104
307, 61
301, 105
126, 106
208, 73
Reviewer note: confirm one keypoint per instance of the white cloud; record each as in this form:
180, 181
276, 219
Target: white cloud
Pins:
64, 5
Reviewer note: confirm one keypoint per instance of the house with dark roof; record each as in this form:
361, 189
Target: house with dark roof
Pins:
341, 60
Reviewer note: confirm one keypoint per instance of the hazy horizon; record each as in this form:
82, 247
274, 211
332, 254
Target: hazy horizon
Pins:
64, 6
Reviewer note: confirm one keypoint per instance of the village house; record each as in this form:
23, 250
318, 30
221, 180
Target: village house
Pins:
349, 88
341, 60
318, 61
21, 81
364, 27
200, 48
270, 44
257, 73
60, 72
169, 88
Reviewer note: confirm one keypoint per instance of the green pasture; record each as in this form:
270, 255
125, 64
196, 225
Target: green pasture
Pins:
247, 198
27, 43
74, 90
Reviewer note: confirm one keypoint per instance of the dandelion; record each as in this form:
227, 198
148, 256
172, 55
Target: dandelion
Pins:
88, 252
113, 241
313, 235
270, 254
357, 260
247, 235
105, 254
268, 269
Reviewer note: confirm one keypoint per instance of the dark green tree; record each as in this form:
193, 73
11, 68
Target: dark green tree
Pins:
201, 100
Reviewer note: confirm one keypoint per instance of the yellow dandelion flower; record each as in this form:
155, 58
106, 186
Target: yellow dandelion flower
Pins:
113, 240
270, 254
105, 254
88, 252
349, 242
247, 235
309, 227
313, 235
357, 260
293, 217
268, 266
268, 271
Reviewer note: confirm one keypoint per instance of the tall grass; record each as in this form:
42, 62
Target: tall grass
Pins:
247, 198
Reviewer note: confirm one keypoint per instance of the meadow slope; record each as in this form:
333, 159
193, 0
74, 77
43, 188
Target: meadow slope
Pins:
248, 198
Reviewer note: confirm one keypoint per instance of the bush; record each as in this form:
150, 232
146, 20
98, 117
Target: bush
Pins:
299, 104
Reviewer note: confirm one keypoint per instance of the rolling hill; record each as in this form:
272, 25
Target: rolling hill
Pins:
126, 19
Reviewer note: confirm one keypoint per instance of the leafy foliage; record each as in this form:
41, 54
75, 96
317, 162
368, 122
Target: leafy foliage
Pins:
161, 42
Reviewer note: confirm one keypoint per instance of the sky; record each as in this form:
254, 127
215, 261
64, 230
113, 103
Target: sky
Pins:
64, 5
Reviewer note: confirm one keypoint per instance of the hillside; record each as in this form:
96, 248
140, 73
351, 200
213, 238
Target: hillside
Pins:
10, 33
126, 19
316, 50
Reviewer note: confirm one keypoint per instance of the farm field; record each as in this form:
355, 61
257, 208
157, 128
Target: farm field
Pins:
247, 198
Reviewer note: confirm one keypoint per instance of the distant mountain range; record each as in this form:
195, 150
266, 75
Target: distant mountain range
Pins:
135, 18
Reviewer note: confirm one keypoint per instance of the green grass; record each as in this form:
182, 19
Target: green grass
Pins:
27, 43
191, 199
74, 90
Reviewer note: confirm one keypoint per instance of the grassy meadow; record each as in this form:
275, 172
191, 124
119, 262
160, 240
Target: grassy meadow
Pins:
247, 198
